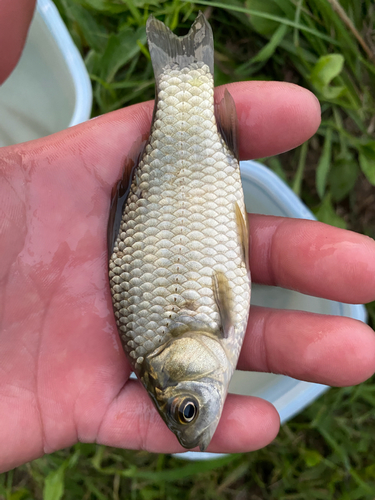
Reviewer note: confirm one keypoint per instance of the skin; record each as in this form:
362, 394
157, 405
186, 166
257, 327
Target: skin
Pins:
63, 374
15, 18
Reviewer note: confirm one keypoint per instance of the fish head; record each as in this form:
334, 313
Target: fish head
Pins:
187, 379
193, 412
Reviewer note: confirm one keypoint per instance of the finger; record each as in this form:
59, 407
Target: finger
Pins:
331, 350
273, 117
312, 258
15, 18
247, 424
132, 422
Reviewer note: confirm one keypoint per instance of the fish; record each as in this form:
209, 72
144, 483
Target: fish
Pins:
179, 253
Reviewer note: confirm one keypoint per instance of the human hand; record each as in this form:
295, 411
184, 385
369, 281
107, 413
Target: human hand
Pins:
63, 375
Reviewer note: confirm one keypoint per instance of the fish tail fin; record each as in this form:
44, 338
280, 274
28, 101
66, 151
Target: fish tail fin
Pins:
166, 48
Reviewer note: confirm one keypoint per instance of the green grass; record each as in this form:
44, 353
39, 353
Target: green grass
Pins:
328, 451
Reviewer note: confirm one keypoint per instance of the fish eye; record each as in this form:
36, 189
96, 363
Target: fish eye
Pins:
185, 410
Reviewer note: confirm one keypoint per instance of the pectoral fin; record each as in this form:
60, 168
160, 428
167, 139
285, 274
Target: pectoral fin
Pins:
243, 235
224, 301
120, 192
227, 122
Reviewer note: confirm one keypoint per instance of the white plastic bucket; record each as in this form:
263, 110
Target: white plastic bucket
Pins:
266, 194
49, 90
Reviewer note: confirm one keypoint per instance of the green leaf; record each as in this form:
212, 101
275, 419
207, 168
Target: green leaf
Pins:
92, 61
120, 49
342, 177
367, 165
113, 7
20, 494
94, 33
263, 25
333, 92
326, 69
267, 51
326, 213
312, 458
54, 484
370, 471
368, 149
324, 164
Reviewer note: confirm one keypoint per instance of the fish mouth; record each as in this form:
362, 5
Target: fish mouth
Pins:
189, 444
202, 441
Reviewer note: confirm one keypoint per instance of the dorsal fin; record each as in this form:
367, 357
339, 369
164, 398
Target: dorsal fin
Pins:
227, 122
166, 48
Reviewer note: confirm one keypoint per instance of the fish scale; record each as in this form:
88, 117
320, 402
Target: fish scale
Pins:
179, 269
179, 220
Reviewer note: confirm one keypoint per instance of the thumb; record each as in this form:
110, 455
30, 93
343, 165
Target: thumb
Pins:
15, 19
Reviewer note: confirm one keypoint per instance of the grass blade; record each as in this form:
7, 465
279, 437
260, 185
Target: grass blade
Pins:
267, 51
297, 182
271, 17
54, 483
324, 164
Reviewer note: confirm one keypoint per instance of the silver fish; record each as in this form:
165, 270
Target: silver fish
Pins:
179, 269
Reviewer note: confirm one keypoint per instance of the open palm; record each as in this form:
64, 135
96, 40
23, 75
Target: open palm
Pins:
63, 374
